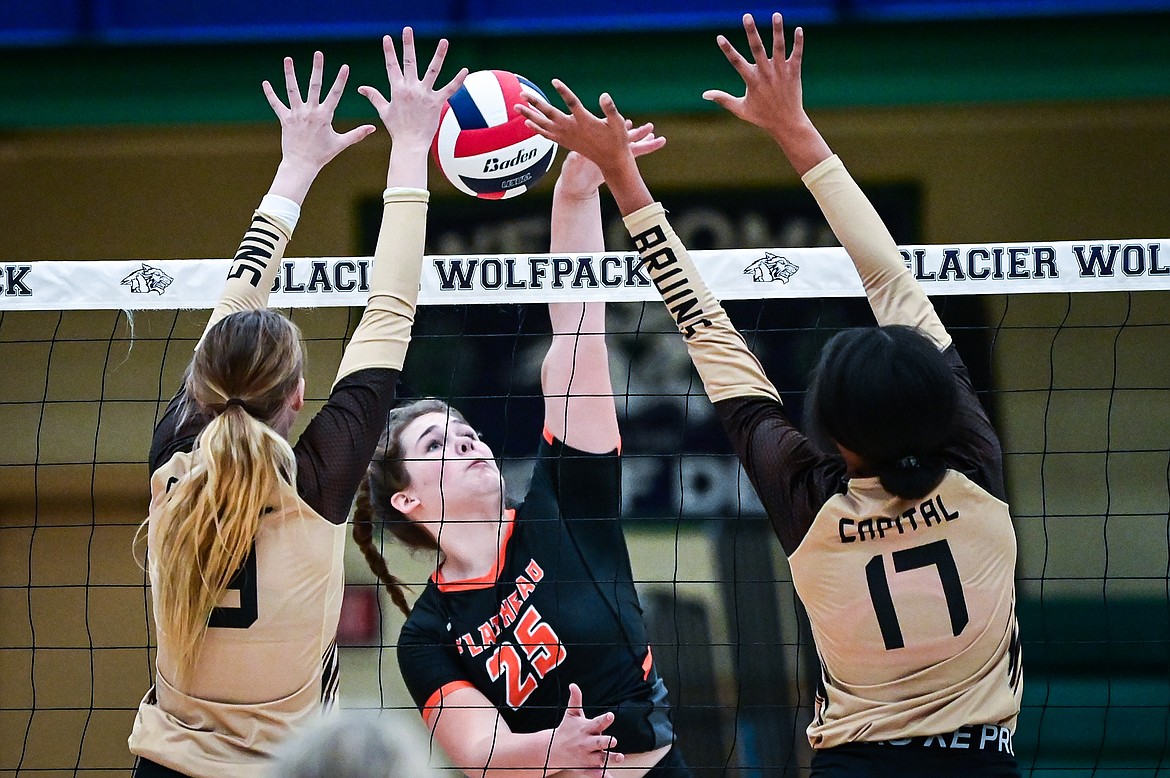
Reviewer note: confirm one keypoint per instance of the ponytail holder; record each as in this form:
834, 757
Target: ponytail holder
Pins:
908, 463
236, 401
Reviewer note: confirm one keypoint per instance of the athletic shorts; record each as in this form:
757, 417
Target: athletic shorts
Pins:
974, 751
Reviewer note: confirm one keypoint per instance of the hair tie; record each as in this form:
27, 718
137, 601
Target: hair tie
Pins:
236, 401
908, 463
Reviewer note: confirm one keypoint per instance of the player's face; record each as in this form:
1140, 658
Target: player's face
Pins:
449, 465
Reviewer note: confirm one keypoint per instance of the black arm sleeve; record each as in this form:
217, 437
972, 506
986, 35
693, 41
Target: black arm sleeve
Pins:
792, 477
335, 449
176, 431
974, 449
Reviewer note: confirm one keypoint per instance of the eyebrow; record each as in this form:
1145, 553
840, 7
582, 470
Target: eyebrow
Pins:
426, 432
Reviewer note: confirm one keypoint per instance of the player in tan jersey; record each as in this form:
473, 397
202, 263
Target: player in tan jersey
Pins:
245, 533
900, 542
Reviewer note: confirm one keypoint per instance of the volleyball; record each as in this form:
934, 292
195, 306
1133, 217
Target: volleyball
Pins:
482, 145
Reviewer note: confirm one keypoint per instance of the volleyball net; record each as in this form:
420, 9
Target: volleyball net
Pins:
1068, 345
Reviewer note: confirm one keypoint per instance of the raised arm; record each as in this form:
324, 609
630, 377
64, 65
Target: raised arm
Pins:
411, 116
337, 445
308, 143
773, 100
726, 365
578, 394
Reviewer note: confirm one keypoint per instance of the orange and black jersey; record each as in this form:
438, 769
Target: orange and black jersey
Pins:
559, 608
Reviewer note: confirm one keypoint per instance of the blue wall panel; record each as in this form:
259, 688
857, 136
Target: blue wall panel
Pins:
264, 20
967, 9
42, 21
649, 15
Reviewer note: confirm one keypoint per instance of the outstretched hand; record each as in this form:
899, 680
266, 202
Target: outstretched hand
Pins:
307, 138
578, 743
604, 141
581, 177
411, 114
773, 97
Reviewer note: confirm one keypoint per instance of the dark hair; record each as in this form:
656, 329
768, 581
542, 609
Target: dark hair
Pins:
385, 476
888, 395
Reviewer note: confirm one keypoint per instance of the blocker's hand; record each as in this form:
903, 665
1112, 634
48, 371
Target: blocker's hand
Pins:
411, 115
604, 141
581, 178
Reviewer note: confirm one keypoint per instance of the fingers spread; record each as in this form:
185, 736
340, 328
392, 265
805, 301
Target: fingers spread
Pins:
755, 43
409, 59
453, 85
534, 118
797, 47
572, 102
393, 70
778, 37
639, 133
316, 75
436, 65
291, 87
375, 97
723, 100
274, 101
741, 65
334, 96
357, 134
609, 108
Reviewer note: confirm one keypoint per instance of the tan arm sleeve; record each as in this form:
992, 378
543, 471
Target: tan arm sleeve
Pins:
726, 365
250, 278
894, 295
383, 334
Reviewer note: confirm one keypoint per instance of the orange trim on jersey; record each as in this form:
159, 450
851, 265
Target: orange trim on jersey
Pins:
434, 704
550, 438
488, 578
647, 664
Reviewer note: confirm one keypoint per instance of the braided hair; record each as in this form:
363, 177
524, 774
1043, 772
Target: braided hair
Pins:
385, 476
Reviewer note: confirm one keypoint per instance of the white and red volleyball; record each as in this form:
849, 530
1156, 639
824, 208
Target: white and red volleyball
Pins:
482, 145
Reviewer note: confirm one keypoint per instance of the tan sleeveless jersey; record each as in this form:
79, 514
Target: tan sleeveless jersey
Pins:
271, 664
912, 610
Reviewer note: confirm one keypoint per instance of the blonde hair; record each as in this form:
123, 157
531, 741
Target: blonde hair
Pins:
242, 375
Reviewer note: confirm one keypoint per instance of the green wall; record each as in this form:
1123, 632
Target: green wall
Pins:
1006, 60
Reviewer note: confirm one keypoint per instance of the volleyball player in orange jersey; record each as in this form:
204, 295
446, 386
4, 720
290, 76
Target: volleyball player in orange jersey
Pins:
899, 538
527, 652
245, 533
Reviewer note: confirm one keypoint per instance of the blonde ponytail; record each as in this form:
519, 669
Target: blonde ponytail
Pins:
244, 373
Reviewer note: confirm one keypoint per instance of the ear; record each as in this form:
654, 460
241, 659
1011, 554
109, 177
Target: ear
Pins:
404, 503
854, 462
297, 401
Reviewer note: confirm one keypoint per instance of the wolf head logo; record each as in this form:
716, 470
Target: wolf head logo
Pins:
148, 279
771, 267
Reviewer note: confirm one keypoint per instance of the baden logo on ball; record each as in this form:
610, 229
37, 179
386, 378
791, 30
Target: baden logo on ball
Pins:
482, 145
